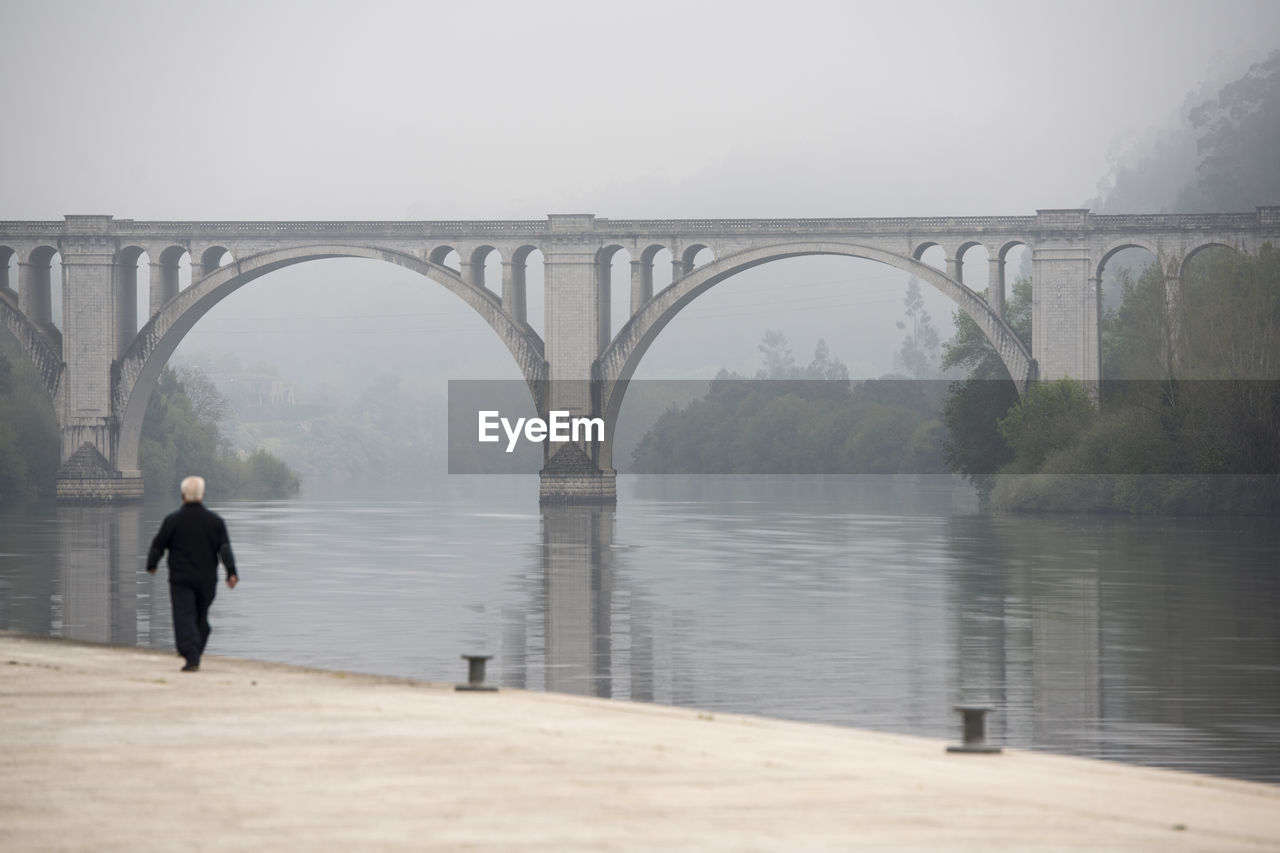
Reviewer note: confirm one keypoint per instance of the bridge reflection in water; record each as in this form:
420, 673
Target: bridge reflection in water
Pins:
578, 590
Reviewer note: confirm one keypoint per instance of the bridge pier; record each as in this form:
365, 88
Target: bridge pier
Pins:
93, 319
577, 324
1065, 301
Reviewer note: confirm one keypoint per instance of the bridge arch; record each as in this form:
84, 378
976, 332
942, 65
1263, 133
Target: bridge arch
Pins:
150, 350
1211, 244
1008, 247
1117, 247
620, 360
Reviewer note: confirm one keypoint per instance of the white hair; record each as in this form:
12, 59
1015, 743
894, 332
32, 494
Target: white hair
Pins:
192, 490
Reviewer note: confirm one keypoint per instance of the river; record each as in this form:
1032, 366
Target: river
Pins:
877, 602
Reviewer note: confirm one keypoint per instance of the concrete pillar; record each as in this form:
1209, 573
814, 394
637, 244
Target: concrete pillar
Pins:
89, 334
1065, 313
572, 324
955, 268
995, 285
678, 268
641, 285
164, 285
90, 344
513, 290
604, 304
473, 274
575, 336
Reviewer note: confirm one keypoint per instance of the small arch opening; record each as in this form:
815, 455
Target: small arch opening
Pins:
44, 278
615, 286
493, 272
695, 256
660, 259
484, 269
447, 256
529, 272
1017, 265
1136, 322
1122, 264
185, 272
214, 257
173, 268
975, 267
933, 255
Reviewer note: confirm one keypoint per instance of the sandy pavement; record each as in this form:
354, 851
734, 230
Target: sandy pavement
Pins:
105, 748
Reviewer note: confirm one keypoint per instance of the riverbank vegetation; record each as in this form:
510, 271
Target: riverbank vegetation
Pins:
181, 436
29, 443
1188, 416
799, 419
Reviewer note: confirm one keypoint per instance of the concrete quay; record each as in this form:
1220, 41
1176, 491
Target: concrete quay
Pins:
112, 749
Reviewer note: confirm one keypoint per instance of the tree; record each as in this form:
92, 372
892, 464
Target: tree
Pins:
1221, 158
779, 363
918, 356
1237, 135
180, 436
799, 422
976, 447
1195, 424
1050, 416
29, 440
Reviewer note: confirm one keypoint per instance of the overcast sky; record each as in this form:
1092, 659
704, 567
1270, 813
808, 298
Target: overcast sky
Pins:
490, 110
380, 110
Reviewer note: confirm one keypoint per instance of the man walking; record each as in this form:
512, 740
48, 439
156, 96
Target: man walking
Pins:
195, 538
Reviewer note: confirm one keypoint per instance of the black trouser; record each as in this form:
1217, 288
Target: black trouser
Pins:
191, 600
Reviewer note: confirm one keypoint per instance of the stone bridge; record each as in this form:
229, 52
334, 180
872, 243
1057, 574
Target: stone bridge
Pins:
100, 370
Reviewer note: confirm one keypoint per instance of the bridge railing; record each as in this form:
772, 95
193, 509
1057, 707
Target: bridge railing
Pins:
1266, 217
381, 228
811, 225
1175, 221
54, 226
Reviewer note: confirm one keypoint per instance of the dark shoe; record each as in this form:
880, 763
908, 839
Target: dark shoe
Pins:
191, 667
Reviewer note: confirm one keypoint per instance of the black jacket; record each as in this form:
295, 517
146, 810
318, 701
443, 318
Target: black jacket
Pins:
195, 538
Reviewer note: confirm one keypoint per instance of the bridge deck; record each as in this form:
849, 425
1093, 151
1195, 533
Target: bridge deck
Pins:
113, 749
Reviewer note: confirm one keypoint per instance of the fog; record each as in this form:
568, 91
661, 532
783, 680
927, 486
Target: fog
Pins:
384, 110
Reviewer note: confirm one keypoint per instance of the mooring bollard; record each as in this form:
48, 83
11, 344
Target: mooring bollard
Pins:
975, 730
475, 673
